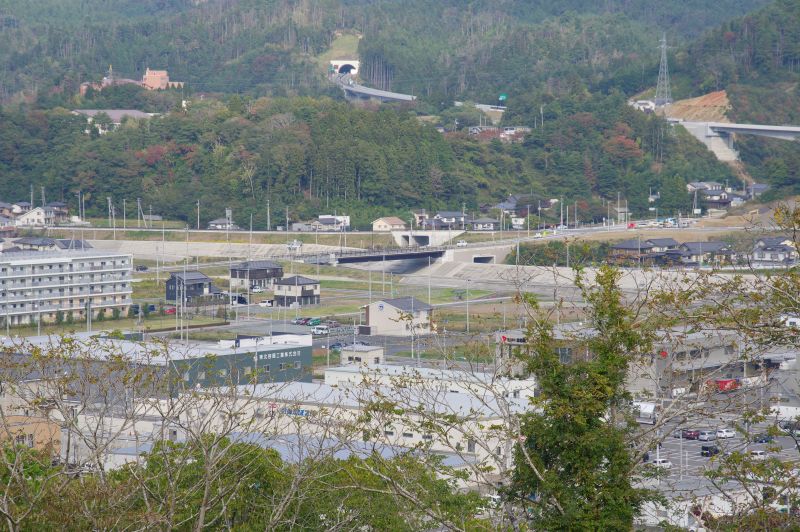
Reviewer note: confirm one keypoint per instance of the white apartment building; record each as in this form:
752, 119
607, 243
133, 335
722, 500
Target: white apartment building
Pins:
37, 285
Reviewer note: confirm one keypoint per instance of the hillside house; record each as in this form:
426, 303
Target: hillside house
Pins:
329, 222
115, 116
420, 215
630, 250
159, 80
774, 250
661, 245
484, 224
451, 219
711, 253
223, 224
696, 186
20, 207
388, 223
37, 217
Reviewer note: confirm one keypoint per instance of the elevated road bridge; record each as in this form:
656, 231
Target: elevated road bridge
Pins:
718, 136
355, 91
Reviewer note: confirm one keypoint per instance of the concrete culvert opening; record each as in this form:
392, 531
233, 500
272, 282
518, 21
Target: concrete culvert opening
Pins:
483, 260
346, 68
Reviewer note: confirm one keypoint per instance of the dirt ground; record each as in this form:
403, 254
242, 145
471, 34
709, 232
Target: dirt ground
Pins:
711, 107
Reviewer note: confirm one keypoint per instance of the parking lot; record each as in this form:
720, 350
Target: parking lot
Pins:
687, 460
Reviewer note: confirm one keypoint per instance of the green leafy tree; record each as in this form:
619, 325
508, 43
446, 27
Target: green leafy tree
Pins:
573, 468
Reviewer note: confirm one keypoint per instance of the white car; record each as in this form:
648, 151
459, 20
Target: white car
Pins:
294, 245
257, 290
725, 433
662, 463
537, 235
265, 303
758, 454
461, 244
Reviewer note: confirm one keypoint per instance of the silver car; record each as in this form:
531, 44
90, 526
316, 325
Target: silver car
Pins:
707, 435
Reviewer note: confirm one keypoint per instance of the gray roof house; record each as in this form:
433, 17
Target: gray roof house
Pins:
774, 250
401, 316
663, 244
701, 252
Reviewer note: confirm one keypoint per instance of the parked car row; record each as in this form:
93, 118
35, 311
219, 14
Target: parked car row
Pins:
704, 434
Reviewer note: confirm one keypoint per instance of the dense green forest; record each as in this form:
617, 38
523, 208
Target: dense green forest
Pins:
314, 155
436, 48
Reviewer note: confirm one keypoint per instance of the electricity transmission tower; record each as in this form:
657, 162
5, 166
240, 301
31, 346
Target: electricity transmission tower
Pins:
663, 91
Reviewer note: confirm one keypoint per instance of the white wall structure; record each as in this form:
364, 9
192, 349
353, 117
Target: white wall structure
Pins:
449, 381
39, 284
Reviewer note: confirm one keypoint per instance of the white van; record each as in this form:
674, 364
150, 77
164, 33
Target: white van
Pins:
320, 329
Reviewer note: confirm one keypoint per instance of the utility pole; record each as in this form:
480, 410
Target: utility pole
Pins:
529, 220
139, 212
198, 215
124, 214
268, 224
576, 214
43, 200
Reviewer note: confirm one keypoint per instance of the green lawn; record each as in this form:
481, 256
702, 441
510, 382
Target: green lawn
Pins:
344, 46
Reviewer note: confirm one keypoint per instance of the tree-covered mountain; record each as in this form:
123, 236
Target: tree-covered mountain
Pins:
314, 155
434, 48
568, 68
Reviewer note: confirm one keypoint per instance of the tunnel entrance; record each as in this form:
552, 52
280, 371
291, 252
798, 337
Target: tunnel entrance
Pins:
347, 68
487, 259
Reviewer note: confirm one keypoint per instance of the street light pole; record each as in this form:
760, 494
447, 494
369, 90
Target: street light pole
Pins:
468, 281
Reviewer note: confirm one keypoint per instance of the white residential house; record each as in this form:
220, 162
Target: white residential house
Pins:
223, 224
402, 316
20, 207
37, 217
770, 250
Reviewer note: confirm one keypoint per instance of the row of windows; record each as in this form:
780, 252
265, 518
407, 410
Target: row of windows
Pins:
71, 302
62, 266
247, 370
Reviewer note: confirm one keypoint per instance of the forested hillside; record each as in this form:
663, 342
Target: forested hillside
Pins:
756, 58
314, 155
434, 48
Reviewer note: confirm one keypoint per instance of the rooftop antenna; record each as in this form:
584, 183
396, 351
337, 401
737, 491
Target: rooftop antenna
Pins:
663, 91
